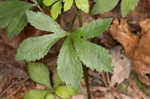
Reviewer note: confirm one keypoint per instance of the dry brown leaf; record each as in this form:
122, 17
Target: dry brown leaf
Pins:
136, 48
141, 58
121, 65
121, 33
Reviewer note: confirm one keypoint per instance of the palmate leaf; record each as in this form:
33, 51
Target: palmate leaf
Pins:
93, 28
69, 67
128, 5
56, 9
35, 48
39, 73
92, 55
67, 4
102, 6
36, 94
43, 22
83, 5
11, 12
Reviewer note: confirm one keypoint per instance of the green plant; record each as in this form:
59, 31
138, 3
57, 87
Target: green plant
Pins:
39, 73
57, 5
12, 13
75, 51
103, 6
69, 58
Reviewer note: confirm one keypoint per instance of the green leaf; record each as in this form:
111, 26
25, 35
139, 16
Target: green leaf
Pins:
39, 73
67, 4
35, 48
92, 55
56, 9
103, 6
69, 67
17, 24
65, 92
50, 96
93, 28
10, 13
35, 94
4, 22
13, 7
83, 5
43, 22
48, 2
128, 5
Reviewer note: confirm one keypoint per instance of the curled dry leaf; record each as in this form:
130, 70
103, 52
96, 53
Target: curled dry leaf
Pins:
137, 49
121, 33
142, 54
121, 65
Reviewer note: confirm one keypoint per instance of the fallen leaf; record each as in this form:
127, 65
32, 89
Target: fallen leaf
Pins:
137, 49
121, 65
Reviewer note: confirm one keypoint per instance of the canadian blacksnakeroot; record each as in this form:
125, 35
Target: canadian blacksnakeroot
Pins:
75, 51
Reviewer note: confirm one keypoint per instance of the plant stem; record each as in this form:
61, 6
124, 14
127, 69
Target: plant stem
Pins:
73, 21
85, 69
80, 19
86, 78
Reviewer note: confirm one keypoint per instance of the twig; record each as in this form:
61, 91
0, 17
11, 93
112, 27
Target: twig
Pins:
108, 77
104, 79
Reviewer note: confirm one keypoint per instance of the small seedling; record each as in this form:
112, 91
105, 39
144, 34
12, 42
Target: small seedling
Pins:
39, 73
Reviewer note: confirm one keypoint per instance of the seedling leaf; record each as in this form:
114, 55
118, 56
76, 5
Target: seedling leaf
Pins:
17, 24
12, 12
128, 5
44, 22
103, 6
83, 5
67, 4
35, 48
65, 92
93, 28
50, 96
69, 67
56, 9
92, 55
39, 73
48, 2
35, 94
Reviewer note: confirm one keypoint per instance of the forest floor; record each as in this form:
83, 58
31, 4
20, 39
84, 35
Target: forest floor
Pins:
127, 40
